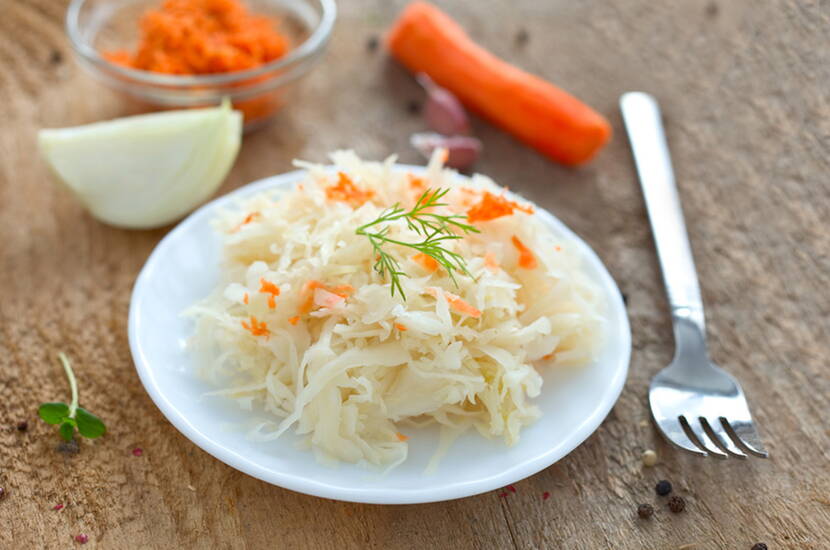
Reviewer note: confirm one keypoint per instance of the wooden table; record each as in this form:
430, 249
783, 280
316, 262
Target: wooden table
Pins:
744, 86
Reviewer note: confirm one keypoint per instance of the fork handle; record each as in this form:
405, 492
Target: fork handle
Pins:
641, 115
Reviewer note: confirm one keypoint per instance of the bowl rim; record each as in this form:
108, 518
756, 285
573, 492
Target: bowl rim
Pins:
311, 46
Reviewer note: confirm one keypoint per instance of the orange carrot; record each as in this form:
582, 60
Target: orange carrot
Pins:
493, 206
455, 301
255, 328
307, 292
294, 320
427, 262
401, 437
271, 289
490, 262
346, 191
245, 299
558, 125
526, 258
203, 37
248, 219
400, 327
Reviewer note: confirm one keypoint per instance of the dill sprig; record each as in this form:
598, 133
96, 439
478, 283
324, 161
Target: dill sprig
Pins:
436, 230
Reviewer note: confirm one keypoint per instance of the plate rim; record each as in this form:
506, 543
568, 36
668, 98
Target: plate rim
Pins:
372, 495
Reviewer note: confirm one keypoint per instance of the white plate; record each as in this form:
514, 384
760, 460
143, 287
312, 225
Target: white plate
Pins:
184, 268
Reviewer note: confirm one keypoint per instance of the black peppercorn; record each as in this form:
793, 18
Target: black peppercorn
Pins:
677, 504
645, 511
663, 487
759, 546
22, 426
56, 57
373, 43
413, 107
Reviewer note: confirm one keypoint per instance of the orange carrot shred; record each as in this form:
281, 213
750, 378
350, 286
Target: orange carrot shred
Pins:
256, 328
526, 258
557, 248
493, 206
427, 262
248, 219
294, 320
401, 437
490, 262
400, 327
245, 299
548, 356
455, 302
308, 293
415, 182
346, 191
269, 288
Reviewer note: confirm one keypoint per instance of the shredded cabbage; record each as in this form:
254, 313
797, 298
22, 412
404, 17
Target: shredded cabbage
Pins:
347, 365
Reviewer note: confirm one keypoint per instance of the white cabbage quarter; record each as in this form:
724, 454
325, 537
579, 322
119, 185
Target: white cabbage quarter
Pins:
305, 331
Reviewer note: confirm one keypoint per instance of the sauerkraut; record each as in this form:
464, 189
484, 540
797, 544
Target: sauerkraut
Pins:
302, 329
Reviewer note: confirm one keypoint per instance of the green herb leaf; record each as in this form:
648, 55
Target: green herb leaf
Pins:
67, 429
89, 425
435, 230
53, 413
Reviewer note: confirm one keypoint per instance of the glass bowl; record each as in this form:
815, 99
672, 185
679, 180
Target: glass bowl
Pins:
96, 26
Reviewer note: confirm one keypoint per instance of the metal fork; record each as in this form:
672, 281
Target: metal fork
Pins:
697, 406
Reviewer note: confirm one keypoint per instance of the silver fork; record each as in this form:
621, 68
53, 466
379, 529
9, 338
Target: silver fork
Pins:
697, 405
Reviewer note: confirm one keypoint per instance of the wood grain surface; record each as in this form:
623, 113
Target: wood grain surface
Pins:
745, 88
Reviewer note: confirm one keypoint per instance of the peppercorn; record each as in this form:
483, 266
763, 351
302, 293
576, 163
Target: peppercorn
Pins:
82, 538
649, 458
22, 426
759, 546
56, 57
663, 487
413, 107
373, 43
645, 511
677, 504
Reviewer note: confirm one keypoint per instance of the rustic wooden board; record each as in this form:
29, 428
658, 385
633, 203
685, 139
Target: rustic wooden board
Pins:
745, 91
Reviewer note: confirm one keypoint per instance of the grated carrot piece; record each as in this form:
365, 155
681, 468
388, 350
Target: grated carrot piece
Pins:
271, 289
294, 320
401, 437
415, 182
548, 357
526, 258
256, 328
425, 261
307, 292
557, 248
493, 206
456, 302
248, 219
400, 327
490, 262
245, 299
346, 191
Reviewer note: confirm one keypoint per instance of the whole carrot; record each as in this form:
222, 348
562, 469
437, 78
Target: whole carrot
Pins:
425, 39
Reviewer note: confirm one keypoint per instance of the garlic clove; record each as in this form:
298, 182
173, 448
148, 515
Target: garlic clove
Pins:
443, 111
462, 151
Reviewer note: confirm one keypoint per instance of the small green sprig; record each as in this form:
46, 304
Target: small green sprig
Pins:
436, 230
69, 417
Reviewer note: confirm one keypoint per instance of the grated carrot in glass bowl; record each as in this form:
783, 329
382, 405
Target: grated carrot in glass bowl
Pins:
174, 54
